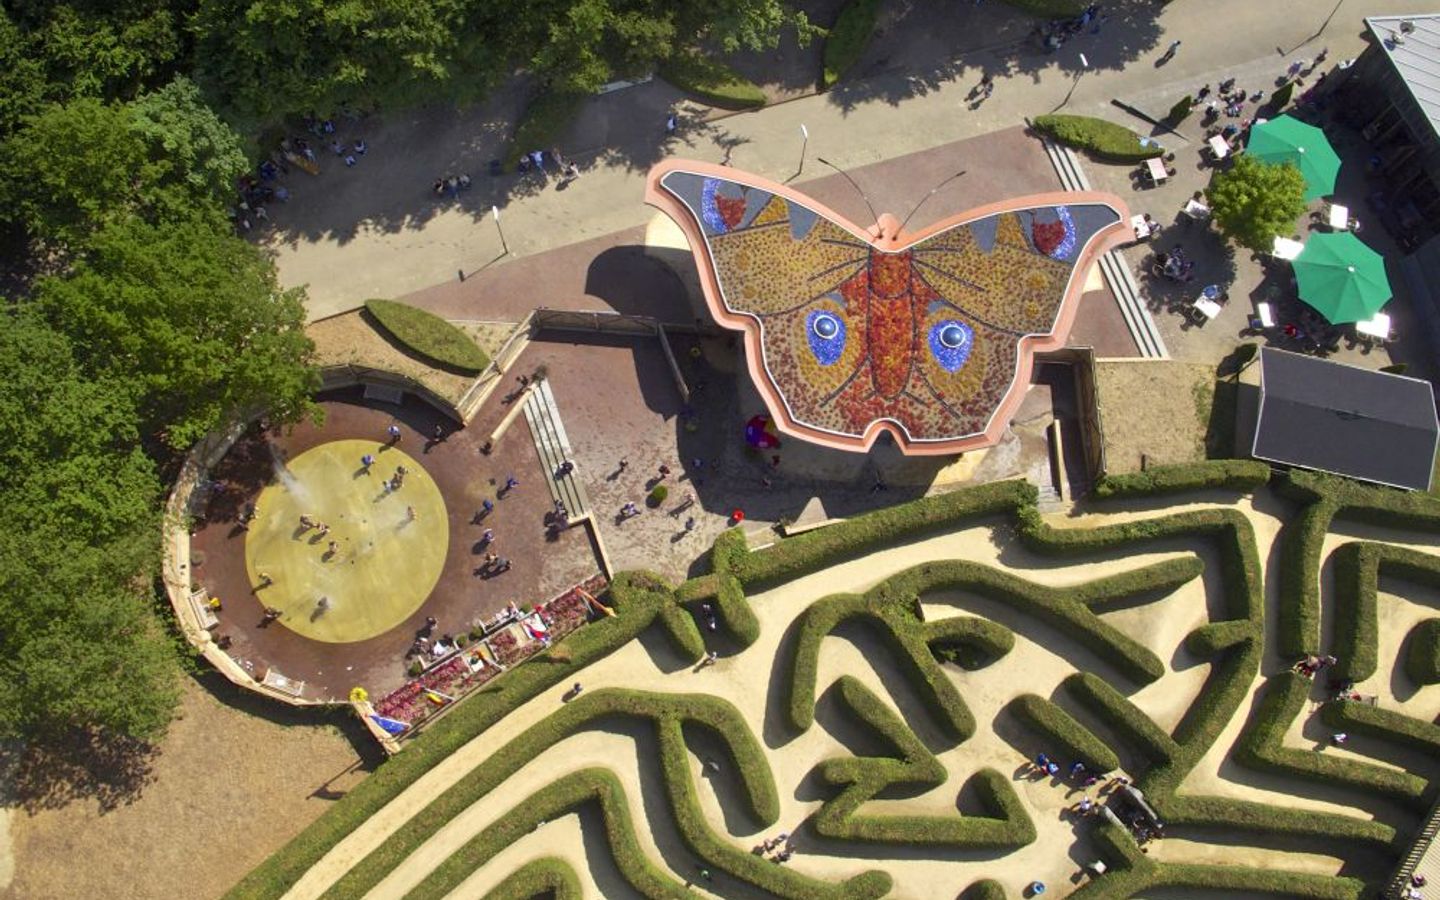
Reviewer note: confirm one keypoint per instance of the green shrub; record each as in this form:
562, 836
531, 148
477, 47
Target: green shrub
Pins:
984, 889
1422, 660
914, 766
1260, 747
1282, 95
967, 641
1180, 111
1226, 474
712, 82
1065, 608
814, 550
1362, 718
548, 876
734, 611
428, 335
1297, 629
847, 38
904, 634
1093, 693
1060, 730
1216, 637
1105, 140
543, 124
657, 495
1243, 815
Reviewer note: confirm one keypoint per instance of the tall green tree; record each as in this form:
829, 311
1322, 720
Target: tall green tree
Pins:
79, 539
191, 320
198, 149
1252, 202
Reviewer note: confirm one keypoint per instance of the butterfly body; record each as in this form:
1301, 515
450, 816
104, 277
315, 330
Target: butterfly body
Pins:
852, 334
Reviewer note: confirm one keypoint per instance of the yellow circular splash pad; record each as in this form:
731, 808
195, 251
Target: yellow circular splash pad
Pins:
389, 548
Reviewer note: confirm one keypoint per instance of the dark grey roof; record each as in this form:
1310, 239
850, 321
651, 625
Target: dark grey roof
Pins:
1416, 56
1369, 425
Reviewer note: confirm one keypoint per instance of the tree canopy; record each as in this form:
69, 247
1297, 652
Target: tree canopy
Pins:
1253, 202
79, 646
191, 321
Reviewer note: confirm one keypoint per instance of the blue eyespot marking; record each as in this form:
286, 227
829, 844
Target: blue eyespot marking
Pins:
825, 332
951, 343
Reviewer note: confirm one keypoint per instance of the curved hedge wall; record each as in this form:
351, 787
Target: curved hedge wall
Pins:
846, 41
712, 82
548, 876
1229, 474
428, 335
1062, 732
1422, 660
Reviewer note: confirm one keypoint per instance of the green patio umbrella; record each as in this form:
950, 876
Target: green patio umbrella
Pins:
1284, 139
1343, 279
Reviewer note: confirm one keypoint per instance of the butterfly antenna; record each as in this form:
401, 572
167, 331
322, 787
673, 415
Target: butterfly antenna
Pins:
873, 214
932, 193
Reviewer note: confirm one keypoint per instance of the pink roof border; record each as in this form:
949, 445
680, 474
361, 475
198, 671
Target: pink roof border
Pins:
885, 235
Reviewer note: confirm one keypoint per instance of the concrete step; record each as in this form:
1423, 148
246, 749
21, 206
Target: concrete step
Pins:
1113, 267
551, 442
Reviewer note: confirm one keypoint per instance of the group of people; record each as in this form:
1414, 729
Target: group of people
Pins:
451, 185
259, 188
1053, 34
1044, 765
1312, 665
780, 844
1175, 265
536, 160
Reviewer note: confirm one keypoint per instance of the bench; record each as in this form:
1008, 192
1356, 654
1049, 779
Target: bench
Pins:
200, 604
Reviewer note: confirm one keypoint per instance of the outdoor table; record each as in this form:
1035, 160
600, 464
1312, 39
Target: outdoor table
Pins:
1219, 147
1157, 169
1208, 308
1378, 327
1339, 216
1142, 229
1266, 314
1196, 210
1211, 292
1284, 248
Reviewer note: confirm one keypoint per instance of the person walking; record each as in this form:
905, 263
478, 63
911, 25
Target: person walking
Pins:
410, 514
394, 432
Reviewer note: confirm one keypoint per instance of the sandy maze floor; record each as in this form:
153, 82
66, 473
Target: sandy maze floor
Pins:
1043, 655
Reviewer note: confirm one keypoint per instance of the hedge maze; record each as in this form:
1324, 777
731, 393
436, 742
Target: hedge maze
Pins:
1093, 715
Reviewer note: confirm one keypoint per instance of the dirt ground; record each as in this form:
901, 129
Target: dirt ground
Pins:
1153, 410
236, 777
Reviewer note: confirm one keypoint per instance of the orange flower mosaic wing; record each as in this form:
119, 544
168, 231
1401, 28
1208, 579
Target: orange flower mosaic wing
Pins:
926, 337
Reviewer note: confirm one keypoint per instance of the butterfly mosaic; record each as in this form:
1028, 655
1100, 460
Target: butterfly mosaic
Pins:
853, 334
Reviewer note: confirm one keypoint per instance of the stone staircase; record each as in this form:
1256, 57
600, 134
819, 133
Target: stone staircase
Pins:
554, 448
1113, 269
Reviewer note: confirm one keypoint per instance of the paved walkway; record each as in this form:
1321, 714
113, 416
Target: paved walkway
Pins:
378, 231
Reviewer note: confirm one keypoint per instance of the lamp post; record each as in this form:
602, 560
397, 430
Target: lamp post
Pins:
804, 145
495, 212
1084, 67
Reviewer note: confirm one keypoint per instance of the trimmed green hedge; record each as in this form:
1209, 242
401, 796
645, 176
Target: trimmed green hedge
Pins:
902, 631
1260, 747
1326, 497
984, 889
1006, 826
1105, 140
1137, 729
847, 39
814, 550
979, 641
1362, 718
712, 82
428, 335
1131, 873
568, 793
734, 611
1226, 474
548, 876
1217, 637
1422, 660
1060, 730
1358, 567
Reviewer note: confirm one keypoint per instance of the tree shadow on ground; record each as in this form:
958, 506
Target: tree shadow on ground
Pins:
80, 765
926, 44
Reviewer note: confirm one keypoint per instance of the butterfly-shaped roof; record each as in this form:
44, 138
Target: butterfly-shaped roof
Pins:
850, 333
